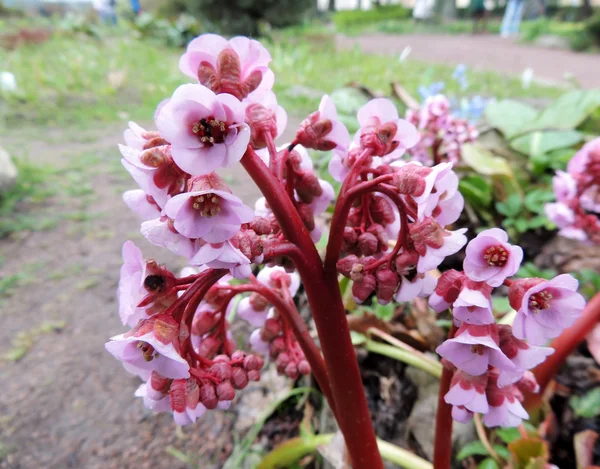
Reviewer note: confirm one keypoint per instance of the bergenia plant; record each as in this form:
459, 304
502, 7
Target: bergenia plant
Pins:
390, 231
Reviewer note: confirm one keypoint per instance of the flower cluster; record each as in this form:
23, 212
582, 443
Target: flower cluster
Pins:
492, 360
577, 208
442, 134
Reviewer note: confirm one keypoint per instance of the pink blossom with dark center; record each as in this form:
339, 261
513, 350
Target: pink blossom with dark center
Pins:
474, 348
491, 259
238, 66
212, 213
322, 130
468, 391
544, 308
382, 130
206, 131
149, 347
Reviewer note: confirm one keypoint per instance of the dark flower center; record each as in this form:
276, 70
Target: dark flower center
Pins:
210, 130
478, 349
207, 204
154, 282
496, 256
539, 301
147, 351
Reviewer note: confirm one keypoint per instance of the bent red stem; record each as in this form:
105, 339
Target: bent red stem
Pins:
328, 311
564, 345
442, 452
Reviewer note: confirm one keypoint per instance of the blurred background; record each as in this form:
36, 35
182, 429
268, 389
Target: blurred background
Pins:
72, 73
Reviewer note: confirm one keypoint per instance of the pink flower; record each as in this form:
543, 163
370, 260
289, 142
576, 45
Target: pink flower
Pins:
491, 259
505, 409
141, 204
339, 164
468, 391
322, 130
277, 277
434, 244
151, 399
142, 280
223, 256
212, 214
149, 347
544, 308
259, 345
578, 164
461, 414
206, 131
474, 304
524, 356
561, 215
564, 185
447, 203
238, 66
154, 171
160, 232
382, 130
474, 348
251, 312
422, 285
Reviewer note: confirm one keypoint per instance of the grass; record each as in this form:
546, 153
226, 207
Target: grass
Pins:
25, 340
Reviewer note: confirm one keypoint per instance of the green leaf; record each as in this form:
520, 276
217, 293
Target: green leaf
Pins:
502, 451
501, 305
510, 117
568, 111
511, 207
588, 405
357, 338
536, 199
484, 162
540, 142
527, 453
471, 449
476, 190
488, 463
521, 225
385, 312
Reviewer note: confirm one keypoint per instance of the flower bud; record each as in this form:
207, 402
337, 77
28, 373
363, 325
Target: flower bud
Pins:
307, 216
410, 179
282, 361
291, 370
220, 370
382, 211
308, 186
361, 290
271, 329
158, 386
208, 396
304, 367
258, 302
225, 391
350, 236
426, 233
406, 262
253, 375
345, 265
379, 232
239, 378
204, 322
262, 121
313, 131
387, 284
252, 362
368, 244
277, 346
209, 347
261, 226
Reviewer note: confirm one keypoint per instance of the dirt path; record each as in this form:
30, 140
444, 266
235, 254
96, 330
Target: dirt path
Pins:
65, 402
486, 52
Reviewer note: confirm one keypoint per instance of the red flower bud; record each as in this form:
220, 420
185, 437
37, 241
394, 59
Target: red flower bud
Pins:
220, 370
262, 121
345, 265
368, 244
225, 391
307, 215
208, 396
261, 226
239, 378
253, 375
387, 284
361, 290
291, 370
303, 367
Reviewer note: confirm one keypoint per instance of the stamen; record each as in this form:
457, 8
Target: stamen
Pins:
207, 205
496, 256
539, 301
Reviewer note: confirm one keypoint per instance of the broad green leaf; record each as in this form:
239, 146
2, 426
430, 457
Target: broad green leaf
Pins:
472, 449
568, 111
511, 207
540, 142
588, 405
510, 117
476, 190
385, 312
529, 269
484, 162
522, 225
536, 199
501, 305
488, 463
502, 451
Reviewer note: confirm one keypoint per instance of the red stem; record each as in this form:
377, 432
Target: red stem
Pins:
442, 452
301, 332
322, 290
564, 345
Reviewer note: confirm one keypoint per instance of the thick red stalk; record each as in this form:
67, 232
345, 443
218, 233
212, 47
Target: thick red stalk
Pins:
330, 318
442, 452
564, 345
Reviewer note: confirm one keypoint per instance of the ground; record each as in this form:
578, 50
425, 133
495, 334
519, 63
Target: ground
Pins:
65, 401
486, 52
